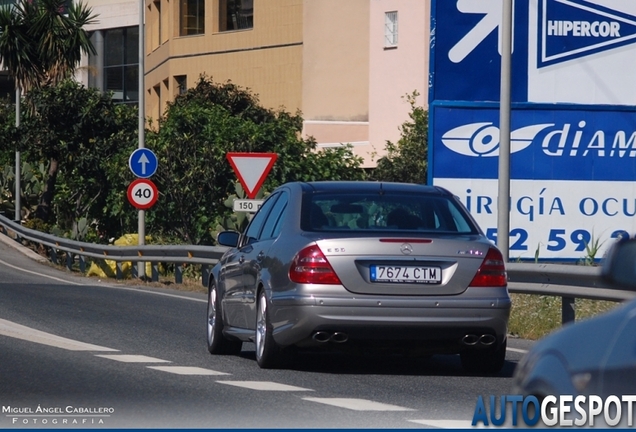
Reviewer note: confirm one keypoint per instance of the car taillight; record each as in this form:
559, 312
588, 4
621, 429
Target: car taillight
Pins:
311, 266
492, 272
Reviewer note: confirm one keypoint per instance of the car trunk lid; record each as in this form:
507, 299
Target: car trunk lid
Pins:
405, 266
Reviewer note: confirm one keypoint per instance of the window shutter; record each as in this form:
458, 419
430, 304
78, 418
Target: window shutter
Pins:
391, 29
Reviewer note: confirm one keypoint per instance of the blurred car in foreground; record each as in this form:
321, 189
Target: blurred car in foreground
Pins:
360, 264
593, 357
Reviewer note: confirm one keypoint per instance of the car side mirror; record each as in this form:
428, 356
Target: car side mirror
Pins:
619, 266
228, 238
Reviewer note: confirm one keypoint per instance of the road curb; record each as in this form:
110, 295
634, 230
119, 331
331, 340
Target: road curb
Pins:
4, 238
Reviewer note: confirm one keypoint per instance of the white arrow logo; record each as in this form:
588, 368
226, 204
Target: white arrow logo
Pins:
493, 14
143, 160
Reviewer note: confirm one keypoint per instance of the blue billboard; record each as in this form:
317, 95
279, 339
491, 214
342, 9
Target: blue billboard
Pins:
573, 123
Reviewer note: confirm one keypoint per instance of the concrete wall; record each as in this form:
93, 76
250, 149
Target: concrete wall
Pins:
267, 58
326, 58
354, 86
336, 71
395, 72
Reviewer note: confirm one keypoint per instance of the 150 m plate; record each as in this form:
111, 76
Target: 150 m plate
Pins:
406, 274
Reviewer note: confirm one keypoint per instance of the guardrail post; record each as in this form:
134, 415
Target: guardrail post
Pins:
568, 310
119, 274
178, 273
53, 254
205, 274
69, 261
82, 263
155, 272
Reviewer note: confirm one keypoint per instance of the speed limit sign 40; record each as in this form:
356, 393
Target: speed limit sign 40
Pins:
142, 193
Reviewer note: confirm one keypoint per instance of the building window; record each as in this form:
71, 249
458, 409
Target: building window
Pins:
181, 84
390, 29
156, 100
236, 14
120, 64
192, 17
157, 4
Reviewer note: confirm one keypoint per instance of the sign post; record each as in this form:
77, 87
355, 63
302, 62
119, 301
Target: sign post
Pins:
142, 193
141, 121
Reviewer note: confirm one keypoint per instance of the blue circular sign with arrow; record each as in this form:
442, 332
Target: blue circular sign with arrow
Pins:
143, 163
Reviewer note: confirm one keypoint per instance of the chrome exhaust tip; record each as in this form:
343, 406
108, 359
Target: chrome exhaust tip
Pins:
470, 339
321, 336
339, 337
487, 339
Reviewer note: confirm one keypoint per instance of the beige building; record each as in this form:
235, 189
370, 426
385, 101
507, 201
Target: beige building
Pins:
345, 64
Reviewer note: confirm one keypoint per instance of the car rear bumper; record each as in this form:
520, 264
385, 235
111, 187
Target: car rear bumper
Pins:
297, 318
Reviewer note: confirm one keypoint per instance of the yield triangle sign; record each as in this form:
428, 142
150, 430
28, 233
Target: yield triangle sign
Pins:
252, 169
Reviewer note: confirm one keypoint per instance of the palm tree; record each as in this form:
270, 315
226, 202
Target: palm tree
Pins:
41, 43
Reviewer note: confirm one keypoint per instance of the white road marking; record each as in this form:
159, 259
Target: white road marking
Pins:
109, 286
128, 358
40, 274
263, 385
186, 370
358, 404
517, 350
448, 424
158, 293
8, 328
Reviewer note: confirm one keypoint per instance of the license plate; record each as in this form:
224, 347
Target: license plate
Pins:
406, 274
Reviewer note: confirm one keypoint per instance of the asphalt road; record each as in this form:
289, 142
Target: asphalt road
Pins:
78, 352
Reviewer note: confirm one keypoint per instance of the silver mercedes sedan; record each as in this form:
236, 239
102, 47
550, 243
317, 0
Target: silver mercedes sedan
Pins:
337, 265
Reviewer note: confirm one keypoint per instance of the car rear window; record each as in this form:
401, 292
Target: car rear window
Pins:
389, 212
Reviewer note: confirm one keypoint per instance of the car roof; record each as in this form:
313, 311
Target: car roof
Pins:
370, 186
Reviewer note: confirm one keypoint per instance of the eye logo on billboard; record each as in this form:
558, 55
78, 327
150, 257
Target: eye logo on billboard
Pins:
482, 139
570, 29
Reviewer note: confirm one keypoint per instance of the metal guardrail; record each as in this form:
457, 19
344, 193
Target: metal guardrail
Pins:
181, 255
561, 280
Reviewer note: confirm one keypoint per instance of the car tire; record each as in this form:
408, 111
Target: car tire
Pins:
486, 361
217, 342
268, 354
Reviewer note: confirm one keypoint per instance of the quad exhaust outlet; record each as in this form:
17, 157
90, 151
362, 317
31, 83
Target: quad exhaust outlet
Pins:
325, 336
478, 340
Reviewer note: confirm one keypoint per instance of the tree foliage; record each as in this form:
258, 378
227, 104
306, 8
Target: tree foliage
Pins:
200, 127
91, 137
41, 42
407, 160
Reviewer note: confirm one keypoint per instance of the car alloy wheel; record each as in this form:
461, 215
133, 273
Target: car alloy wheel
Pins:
267, 352
217, 342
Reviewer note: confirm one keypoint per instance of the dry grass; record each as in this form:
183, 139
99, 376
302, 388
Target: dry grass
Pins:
189, 283
534, 316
